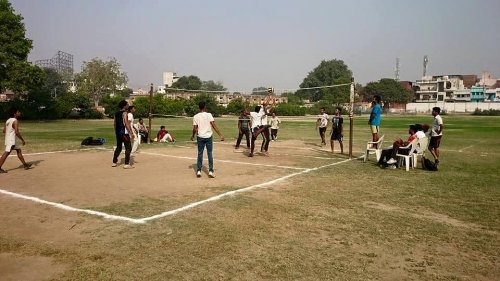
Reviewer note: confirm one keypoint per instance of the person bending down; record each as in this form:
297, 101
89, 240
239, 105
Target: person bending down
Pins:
164, 136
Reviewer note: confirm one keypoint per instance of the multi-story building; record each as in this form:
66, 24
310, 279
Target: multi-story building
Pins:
443, 88
169, 78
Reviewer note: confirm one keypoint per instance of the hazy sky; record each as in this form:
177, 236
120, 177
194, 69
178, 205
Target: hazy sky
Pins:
247, 44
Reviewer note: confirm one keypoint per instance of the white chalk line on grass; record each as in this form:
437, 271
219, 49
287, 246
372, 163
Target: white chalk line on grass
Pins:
225, 161
69, 208
462, 150
241, 190
59, 151
167, 213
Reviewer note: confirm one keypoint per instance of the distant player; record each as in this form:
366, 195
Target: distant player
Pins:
275, 121
375, 117
243, 128
436, 133
11, 131
123, 132
337, 129
322, 124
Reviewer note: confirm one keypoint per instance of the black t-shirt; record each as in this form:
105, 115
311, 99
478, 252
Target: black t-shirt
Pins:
119, 124
337, 122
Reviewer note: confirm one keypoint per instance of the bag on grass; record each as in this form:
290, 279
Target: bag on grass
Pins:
427, 164
92, 141
87, 141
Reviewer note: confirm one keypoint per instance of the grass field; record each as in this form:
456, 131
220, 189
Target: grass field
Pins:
352, 221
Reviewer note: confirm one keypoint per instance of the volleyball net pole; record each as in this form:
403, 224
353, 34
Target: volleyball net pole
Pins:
150, 115
351, 124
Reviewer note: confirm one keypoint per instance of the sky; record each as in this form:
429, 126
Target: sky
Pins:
270, 43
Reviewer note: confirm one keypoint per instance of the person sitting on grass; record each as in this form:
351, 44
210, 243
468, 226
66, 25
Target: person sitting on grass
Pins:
164, 136
390, 153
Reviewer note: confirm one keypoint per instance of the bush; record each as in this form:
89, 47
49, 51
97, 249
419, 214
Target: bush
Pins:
287, 109
489, 112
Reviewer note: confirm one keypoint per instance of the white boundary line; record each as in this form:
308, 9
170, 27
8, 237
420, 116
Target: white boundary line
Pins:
69, 208
241, 190
167, 213
225, 161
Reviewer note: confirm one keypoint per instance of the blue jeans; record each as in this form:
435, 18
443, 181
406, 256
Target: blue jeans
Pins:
202, 142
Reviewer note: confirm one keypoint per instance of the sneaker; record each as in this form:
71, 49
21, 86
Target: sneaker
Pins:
198, 174
392, 167
211, 174
250, 155
128, 166
114, 165
28, 166
2, 171
392, 161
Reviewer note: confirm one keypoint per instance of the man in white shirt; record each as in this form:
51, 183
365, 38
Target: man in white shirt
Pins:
258, 120
436, 133
203, 122
11, 131
322, 123
275, 121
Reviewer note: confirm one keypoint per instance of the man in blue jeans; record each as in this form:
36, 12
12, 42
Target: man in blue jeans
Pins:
203, 122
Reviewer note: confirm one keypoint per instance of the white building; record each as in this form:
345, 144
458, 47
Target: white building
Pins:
441, 88
169, 78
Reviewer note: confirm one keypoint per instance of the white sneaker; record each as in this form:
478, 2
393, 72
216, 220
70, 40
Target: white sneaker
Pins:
114, 165
211, 174
128, 167
198, 174
391, 161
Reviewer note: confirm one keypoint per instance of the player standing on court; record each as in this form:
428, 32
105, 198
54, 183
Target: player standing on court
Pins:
11, 131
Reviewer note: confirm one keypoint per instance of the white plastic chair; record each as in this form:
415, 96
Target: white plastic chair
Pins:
370, 146
420, 150
409, 160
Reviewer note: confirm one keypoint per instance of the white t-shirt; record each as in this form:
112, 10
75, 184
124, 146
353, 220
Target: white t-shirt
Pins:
435, 125
275, 122
202, 120
420, 134
130, 117
256, 118
264, 116
323, 120
10, 134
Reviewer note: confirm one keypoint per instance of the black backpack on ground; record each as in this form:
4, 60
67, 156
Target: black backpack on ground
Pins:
427, 164
92, 141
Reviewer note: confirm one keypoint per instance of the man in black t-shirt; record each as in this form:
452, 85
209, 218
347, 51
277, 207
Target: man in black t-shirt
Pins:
123, 132
337, 128
243, 128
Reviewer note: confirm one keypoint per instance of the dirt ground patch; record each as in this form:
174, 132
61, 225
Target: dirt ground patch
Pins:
28, 268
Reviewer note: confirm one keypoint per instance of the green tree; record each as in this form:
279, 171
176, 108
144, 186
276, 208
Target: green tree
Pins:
389, 90
191, 106
236, 106
332, 72
191, 82
212, 86
16, 73
100, 77
293, 98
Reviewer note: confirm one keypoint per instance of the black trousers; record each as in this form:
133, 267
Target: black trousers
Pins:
246, 133
122, 140
274, 134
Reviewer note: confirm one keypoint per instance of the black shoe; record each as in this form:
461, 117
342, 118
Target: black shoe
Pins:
2, 171
250, 155
28, 166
